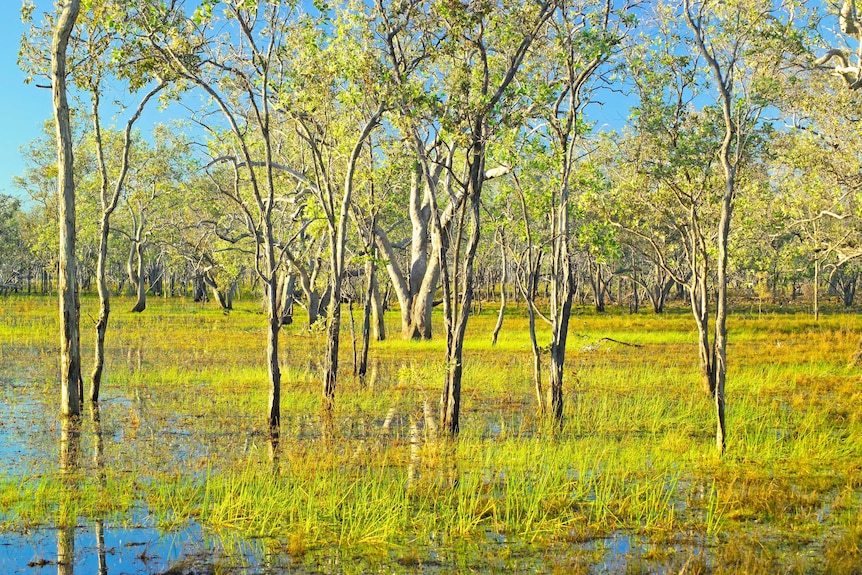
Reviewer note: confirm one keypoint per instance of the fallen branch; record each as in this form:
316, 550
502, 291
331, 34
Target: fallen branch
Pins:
610, 339
619, 342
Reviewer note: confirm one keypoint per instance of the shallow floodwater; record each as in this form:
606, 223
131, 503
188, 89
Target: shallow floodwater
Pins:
122, 438
173, 413
115, 550
108, 550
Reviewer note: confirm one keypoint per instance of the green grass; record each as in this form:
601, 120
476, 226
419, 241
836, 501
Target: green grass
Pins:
183, 434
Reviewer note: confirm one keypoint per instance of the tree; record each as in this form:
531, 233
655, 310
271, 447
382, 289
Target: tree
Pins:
847, 64
71, 387
483, 52
737, 41
237, 68
335, 105
97, 48
582, 37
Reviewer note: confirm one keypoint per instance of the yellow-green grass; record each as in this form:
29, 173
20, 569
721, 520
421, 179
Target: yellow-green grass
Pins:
183, 435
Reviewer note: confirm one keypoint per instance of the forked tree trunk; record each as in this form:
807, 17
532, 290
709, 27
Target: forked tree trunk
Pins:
67, 288
104, 310
503, 277
223, 299
140, 285
377, 311
370, 274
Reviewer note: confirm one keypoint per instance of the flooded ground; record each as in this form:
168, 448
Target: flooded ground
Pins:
174, 475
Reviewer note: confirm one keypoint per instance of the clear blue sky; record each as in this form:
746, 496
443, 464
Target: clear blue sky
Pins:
24, 107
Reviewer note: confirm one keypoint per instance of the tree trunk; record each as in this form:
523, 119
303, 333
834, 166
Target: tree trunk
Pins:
561, 285
273, 325
70, 352
370, 274
286, 299
456, 320
199, 290
396, 279
721, 313
451, 400
700, 311
140, 286
419, 326
104, 309
816, 288
530, 298
598, 288
503, 277
223, 300
848, 289
313, 303
377, 311
423, 302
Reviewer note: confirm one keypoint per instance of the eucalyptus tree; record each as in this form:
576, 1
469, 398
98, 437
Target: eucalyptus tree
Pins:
417, 44
71, 388
154, 184
96, 47
528, 244
662, 198
32, 58
481, 53
568, 63
233, 58
100, 59
334, 100
409, 42
739, 42
664, 194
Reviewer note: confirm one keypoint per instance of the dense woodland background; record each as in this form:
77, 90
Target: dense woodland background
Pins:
407, 154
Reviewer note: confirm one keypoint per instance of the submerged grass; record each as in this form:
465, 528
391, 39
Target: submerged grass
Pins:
181, 438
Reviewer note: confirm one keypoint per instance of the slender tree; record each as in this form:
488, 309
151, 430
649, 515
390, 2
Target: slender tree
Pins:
67, 287
736, 41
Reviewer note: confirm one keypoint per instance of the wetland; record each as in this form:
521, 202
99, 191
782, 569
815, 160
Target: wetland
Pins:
174, 471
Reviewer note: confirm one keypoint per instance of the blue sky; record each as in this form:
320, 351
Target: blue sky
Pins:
25, 107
